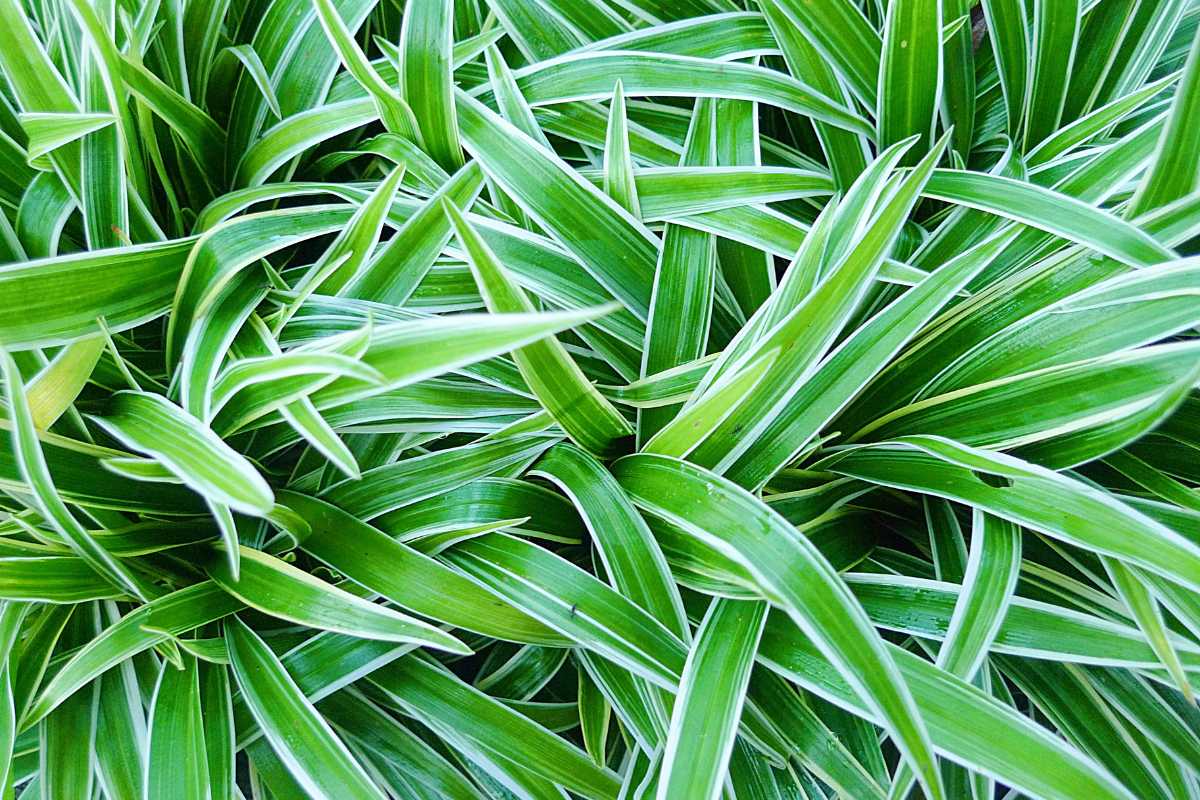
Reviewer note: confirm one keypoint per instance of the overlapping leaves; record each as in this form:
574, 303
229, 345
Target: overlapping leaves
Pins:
641, 399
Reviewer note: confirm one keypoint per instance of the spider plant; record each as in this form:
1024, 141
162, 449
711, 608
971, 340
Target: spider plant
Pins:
602, 399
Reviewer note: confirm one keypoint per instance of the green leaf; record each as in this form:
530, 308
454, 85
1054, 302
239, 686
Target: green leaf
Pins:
309, 749
49, 131
177, 764
711, 693
554, 377
55, 387
804, 333
246, 54
572, 602
126, 286
1055, 30
619, 183
53, 579
150, 424
1173, 173
968, 725
1007, 23
631, 556
355, 243
275, 587
845, 38
1049, 211
427, 83
849, 368
171, 614
1028, 495
609, 242
393, 275
393, 110
408, 578
590, 76
910, 74
681, 305
1148, 616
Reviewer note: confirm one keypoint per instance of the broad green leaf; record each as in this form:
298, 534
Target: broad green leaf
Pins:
987, 589
1030, 628
49, 131
1063, 697
967, 725
1048, 211
595, 714
53, 579
589, 76
267, 584
1131, 381
679, 436
991, 577
1148, 616
246, 54
392, 486
216, 701
958, 74
126, 286
426, 42
845, 38
849, 368
177, 766
1053, 36
1007, 22
1082, 129
807, 330
171, 614
120, 729
1028, 495
52, 391
681, 304
68, 735
607, 240
153, 425
619, 183
409, 578
574, 603
631, 556
400, 265
711, 693
910, 74
1128, 310
844, 150
312, 753
408, 352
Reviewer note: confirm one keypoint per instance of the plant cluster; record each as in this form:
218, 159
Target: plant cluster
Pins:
602, 399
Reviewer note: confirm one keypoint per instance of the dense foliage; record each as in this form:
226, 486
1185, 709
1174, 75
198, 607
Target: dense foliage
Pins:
676, 399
